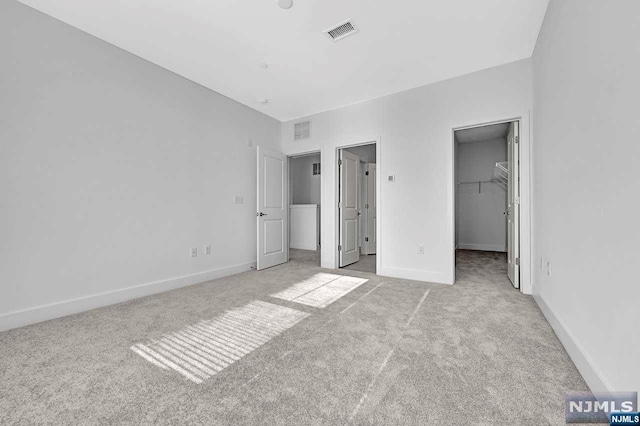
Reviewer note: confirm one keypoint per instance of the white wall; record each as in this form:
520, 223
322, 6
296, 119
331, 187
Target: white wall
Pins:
111, 169
305, 187
482, 224
586, 66
416, 145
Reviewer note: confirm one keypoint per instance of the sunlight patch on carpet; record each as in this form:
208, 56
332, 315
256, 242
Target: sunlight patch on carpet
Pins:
199, 351
320, 290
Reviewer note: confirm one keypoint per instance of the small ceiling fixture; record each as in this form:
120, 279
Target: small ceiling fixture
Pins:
285, 4
264, 65
263, 101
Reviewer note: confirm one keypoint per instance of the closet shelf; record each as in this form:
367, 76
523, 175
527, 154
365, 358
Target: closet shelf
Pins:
500, 177
501, 173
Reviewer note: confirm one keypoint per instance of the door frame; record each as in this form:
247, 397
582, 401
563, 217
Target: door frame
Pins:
289, 189
336, 224
526, 263
366, 211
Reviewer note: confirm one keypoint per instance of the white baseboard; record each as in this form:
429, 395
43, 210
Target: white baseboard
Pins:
583, 362
481, 247
55, 310
415, 274
302, 246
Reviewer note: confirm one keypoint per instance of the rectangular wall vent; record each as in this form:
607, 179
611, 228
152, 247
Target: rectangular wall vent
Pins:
342, 30
302, 131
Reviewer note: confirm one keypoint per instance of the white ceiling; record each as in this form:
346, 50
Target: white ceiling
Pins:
220, 44
484, 133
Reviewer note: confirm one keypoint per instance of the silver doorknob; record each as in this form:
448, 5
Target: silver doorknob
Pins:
261, 214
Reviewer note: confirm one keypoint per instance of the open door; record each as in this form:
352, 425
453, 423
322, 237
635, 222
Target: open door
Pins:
513, 200
273, 239
349, 248
370, 210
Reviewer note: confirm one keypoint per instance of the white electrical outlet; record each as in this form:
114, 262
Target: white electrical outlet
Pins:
392, 178
207, 249
548, 267
194, 252
238, 199
421, 249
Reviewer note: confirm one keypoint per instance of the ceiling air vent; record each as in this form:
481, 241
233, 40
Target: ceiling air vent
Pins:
342, 30
302, 131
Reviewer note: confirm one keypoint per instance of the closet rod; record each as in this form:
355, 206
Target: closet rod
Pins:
478, 181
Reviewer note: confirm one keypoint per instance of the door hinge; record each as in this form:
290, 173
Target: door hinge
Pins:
339, 205
339, 248
366, 173
517, 139
517, 200
339, 162
366, 206
517, 261
366, 239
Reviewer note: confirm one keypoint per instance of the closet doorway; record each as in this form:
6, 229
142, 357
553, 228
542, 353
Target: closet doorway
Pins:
487, 194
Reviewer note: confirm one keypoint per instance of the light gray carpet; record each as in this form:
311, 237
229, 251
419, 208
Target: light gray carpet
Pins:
478, 352
309, 257
367, 263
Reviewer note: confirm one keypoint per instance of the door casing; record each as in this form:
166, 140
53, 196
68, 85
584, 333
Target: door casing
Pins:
369, 209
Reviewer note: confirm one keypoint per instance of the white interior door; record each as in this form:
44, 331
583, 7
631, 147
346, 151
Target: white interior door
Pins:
349, 249
272, 209
513, 210
370, 209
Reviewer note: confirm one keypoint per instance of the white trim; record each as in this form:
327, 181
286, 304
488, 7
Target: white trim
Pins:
296, 246
583, 362
414, 274
56, 310
481, 247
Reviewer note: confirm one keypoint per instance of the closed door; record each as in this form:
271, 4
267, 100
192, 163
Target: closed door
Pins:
349, 165
272, 209
513, 208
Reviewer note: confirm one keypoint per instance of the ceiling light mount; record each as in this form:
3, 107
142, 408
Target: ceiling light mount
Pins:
285, 4
263, 101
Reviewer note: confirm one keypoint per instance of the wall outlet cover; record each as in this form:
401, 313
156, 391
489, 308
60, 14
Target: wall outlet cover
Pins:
194, 252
